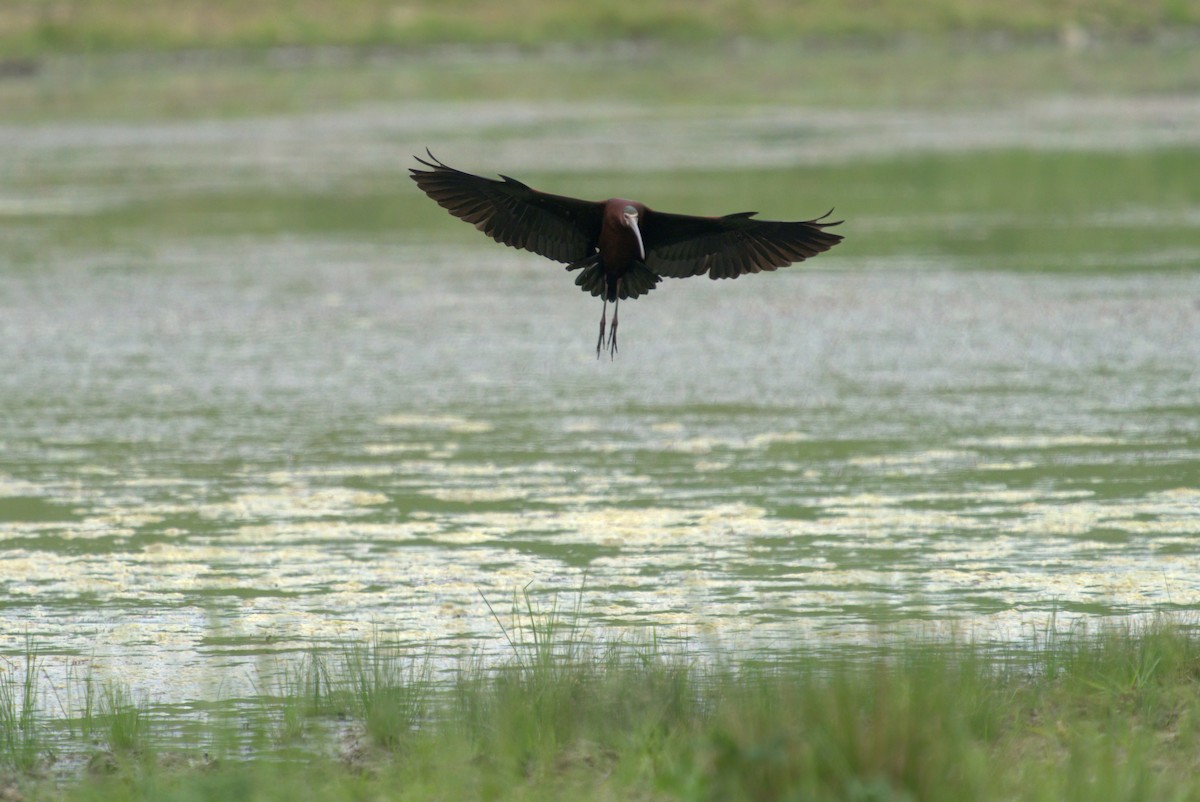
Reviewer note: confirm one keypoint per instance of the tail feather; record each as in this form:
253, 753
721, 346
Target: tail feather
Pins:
592, 279
638, 280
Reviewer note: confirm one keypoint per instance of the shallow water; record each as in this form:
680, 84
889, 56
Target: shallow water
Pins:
217, 446
201, 463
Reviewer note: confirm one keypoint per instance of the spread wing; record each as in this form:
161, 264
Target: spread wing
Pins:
680, 245
559, 228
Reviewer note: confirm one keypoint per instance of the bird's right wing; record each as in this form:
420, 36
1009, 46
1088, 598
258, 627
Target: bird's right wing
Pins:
557, 227
680, 245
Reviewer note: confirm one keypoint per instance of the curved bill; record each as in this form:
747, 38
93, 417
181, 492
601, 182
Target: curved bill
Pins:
633, 223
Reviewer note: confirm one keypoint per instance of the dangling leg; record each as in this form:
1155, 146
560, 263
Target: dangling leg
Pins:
603, 314
612, 333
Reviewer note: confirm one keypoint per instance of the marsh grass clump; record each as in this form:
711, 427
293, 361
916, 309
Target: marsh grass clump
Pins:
80, 706
389, 689
296, 694
518, 715
124, 722
565, 704
915, 724
1127, 660
609, 701
21, 744
544, 641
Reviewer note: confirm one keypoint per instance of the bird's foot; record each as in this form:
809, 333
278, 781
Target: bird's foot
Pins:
612, 340
600, 339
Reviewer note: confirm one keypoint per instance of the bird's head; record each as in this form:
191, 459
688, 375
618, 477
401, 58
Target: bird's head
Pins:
629, 218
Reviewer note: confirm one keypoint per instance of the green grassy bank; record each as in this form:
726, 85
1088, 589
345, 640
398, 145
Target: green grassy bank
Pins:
1112, 715
30, 27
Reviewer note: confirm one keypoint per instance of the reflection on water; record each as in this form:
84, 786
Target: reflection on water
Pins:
211, 452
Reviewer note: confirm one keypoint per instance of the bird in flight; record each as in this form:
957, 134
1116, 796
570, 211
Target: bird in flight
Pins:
621, 248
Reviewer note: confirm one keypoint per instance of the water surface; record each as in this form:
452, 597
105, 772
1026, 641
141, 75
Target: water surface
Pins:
229, 431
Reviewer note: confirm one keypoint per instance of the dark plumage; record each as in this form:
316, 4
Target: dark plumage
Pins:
621, 248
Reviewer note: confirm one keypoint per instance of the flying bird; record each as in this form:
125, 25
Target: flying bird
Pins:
620, 247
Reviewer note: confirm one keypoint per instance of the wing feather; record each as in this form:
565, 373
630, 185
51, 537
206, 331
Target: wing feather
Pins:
679, 245
557, 227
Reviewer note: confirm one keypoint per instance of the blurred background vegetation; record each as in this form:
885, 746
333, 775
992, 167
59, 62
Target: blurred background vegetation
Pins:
31, 27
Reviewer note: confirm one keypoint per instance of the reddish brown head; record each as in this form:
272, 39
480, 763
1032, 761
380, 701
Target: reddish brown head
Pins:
625, 214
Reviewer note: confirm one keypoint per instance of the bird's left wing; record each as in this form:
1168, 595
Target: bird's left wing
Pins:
679, 245
557, 227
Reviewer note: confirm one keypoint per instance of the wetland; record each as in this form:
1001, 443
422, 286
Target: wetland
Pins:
260, 396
